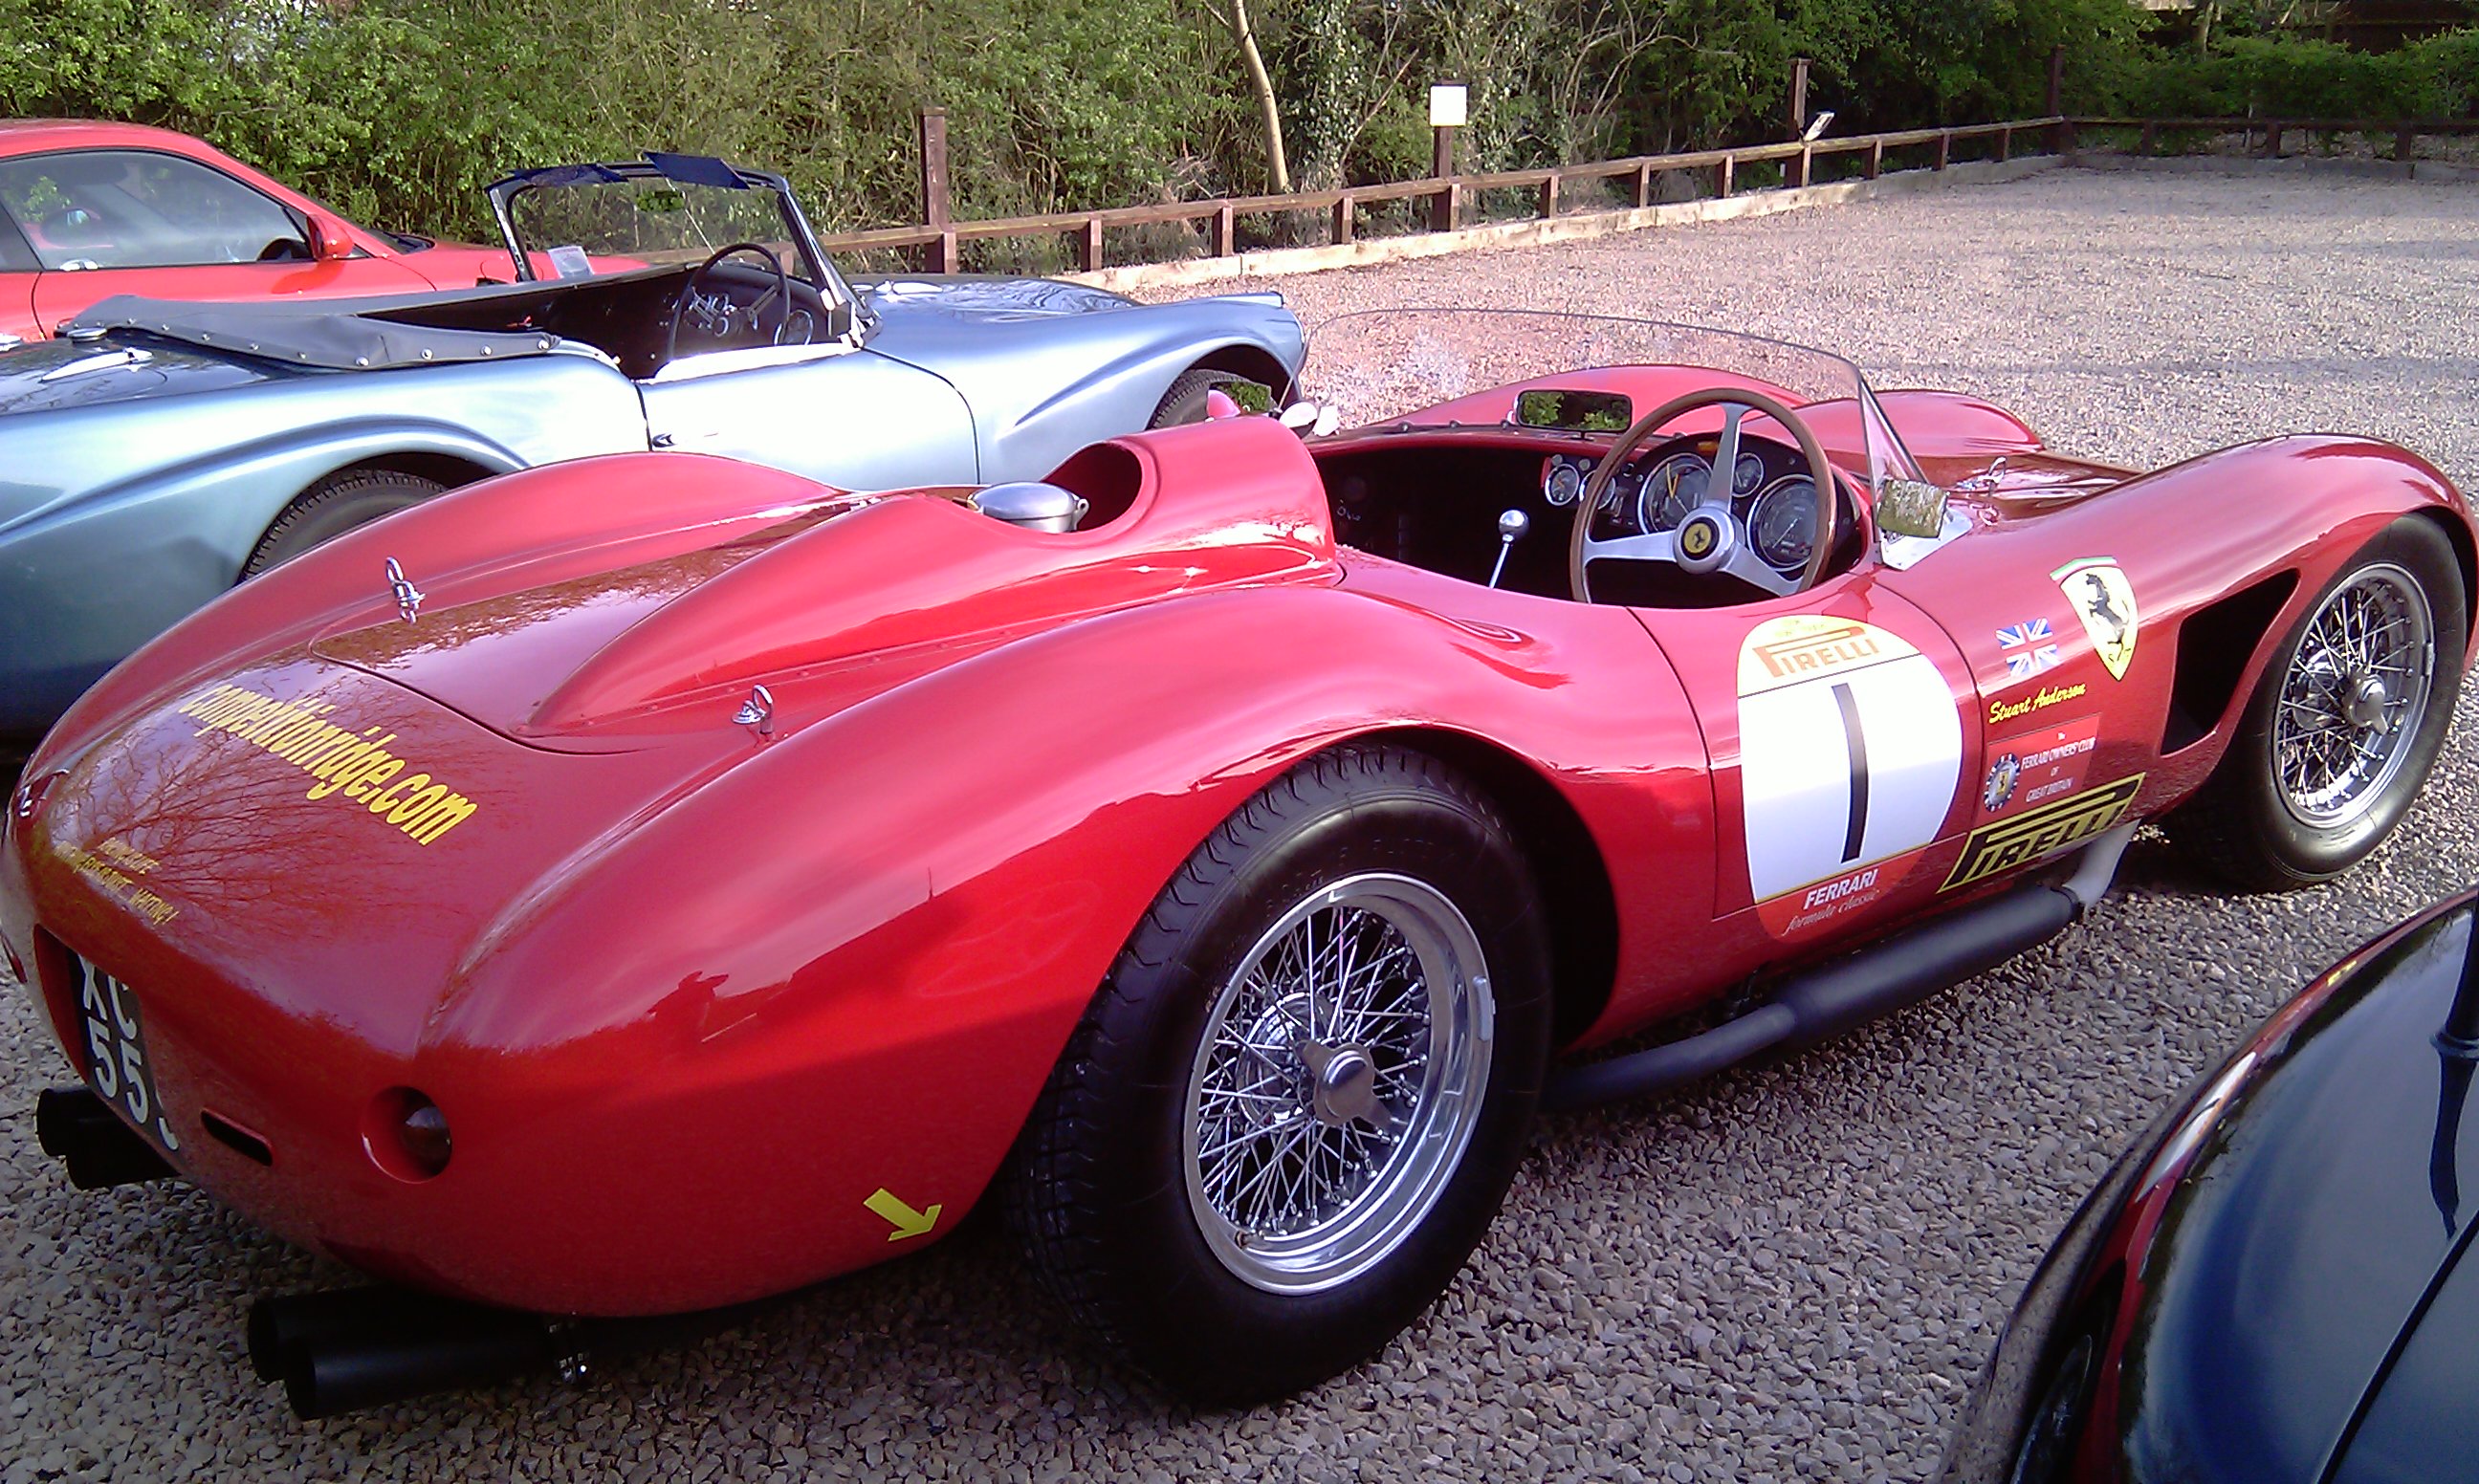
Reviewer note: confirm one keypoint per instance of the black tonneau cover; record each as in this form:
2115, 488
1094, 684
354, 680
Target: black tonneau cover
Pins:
389, 330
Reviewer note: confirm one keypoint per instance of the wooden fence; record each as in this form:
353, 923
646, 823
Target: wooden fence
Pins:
937, 243
939, 240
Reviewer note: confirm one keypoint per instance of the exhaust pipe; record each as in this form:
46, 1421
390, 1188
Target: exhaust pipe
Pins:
1825, 1001
346, 1350
79, 1130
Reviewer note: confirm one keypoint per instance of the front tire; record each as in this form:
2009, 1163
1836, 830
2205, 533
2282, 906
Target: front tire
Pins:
333, 506
2344, 723
1296, 1103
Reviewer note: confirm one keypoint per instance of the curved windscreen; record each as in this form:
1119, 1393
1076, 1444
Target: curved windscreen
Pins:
1432, 368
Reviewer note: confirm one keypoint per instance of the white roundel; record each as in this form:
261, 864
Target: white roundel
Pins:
1849, 749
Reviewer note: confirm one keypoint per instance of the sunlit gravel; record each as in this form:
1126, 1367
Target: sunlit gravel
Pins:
1790, 1272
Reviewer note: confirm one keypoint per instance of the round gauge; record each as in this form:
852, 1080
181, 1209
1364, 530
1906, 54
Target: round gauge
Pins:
1783, 525
1672, 489
1563, 483
1746, 476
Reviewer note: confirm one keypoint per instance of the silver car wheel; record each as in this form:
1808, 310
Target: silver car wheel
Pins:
2352, 700
1338, 1083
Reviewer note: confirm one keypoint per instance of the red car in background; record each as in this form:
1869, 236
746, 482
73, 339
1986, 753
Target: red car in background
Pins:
89, 210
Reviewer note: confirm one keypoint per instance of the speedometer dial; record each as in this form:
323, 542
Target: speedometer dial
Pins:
1672, 489
1783, 525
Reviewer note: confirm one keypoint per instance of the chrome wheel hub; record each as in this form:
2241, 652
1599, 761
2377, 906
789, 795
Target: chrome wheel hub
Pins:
2354, 695
1338, 1083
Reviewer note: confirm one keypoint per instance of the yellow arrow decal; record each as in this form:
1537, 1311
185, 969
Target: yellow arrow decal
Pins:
906, 1221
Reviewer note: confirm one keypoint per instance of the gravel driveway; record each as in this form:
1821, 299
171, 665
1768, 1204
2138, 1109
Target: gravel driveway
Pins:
1789, 1273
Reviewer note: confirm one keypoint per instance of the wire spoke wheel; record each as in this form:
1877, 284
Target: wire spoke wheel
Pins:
2351, 700
1338, 1083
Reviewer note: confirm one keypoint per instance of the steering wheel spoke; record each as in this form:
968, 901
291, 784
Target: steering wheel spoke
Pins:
1657, 546
1744, 564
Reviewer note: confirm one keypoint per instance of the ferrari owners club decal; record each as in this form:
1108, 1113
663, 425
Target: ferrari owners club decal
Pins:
1851, 753
338, 760
2026, 838
2033, 767
2105, 601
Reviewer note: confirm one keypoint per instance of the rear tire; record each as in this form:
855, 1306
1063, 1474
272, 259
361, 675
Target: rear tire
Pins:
1295, 1105
2396, 616
333, 506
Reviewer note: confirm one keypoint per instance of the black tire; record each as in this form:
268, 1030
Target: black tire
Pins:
2240, 825
333, 506
1099, 1185
1185, 403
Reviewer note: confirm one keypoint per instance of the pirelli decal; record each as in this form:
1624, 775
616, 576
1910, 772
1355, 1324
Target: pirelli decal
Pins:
336, 760
2023, 838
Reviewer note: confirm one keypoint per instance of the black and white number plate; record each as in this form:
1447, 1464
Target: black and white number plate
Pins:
116, 1046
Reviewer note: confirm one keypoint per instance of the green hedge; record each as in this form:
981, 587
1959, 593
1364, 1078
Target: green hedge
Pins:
400, 110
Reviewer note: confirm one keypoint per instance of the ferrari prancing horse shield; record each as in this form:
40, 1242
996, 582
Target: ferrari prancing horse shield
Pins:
2105, 601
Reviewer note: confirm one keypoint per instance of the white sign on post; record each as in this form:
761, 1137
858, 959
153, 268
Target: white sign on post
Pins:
1446, 101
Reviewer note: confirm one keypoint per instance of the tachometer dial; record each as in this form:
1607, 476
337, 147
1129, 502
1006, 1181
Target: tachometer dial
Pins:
1746, 476
1672, 489
1784, 525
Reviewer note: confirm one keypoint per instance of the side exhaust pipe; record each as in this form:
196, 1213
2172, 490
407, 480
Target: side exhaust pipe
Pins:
1823, 1002
79, 1130
352, 1348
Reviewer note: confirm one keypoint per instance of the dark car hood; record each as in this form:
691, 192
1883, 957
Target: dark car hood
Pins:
54, 374
978, 298
2309, 1232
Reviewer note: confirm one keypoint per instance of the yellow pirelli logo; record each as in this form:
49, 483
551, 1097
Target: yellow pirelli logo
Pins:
2026, 838
336, 759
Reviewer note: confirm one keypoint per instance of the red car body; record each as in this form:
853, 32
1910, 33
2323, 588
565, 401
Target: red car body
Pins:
698, 993
336, 258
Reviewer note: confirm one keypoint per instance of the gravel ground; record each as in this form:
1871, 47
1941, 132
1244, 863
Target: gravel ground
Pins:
1790, 1272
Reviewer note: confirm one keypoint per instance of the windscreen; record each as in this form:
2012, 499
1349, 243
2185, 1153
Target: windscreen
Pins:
649, 221
1426, 368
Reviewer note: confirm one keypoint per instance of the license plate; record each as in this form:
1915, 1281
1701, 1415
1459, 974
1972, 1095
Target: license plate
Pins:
117, 1065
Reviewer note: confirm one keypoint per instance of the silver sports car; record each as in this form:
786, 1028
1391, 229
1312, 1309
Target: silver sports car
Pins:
160, 453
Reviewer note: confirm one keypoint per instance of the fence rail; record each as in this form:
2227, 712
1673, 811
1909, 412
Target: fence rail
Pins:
939, 240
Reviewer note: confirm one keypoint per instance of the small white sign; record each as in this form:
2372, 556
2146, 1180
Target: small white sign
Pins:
1446, 105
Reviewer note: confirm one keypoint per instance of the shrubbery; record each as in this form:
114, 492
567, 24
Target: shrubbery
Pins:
400, 110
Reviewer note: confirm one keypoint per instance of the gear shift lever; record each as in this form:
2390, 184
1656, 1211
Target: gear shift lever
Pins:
1511, 527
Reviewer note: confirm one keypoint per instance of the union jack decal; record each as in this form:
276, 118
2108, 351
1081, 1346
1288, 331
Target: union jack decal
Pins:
2032, 645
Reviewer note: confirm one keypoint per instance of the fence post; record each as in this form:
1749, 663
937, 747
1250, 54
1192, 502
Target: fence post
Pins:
1875, 158
1089, 249
2005, 143
1549, 195
1343, 219
1225, 234
2405, 140
1806, 158
1945, 148
940, 256
1443, 205
1721, 176
2059, 138
2149, 142
2272, 138
1798, 97
1643, 186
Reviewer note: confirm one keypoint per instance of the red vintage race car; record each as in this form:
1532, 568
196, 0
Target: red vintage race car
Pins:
644, 884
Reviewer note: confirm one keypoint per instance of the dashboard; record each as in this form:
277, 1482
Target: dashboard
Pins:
1771, 494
